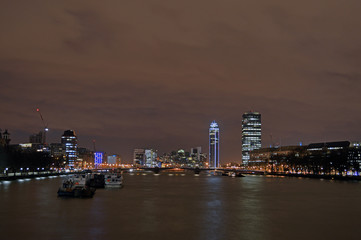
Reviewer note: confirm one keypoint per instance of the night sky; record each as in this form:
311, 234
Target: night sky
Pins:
151, 73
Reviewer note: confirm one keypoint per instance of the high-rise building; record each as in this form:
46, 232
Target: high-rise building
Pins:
70, 141
214, 145
251, 134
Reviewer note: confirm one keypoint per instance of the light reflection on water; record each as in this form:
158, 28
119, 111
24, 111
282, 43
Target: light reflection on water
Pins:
184, 207
4, 185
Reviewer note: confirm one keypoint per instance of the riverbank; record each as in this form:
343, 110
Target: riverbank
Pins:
24, 175
329, 177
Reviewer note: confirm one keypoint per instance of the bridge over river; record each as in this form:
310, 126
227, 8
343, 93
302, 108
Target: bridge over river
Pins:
216, 171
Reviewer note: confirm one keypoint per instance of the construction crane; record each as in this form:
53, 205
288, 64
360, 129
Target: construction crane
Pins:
45, 126
272, 143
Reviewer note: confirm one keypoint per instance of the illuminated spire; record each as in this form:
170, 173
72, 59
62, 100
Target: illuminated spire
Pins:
214, 124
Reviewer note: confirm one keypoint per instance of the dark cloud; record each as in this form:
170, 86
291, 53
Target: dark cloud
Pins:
154, 73
92, 30
345, 77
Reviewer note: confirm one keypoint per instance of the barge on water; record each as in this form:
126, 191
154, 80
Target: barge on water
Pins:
113, 180
76, 186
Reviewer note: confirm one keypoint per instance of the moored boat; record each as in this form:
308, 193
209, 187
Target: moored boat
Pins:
113, 180
97, 180
76, 187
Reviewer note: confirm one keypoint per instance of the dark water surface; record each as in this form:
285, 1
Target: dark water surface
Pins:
184, 207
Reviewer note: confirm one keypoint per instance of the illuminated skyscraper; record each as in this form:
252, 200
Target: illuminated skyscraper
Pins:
214, 145
251, 134
70, 141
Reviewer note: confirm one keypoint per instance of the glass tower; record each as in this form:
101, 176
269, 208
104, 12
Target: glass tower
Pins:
214, 145
70, 141
251, 134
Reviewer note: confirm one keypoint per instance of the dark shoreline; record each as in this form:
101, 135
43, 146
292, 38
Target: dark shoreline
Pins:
316, 176
31, 176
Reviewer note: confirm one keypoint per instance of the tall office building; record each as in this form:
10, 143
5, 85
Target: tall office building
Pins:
251, 134
70, 141
214, 145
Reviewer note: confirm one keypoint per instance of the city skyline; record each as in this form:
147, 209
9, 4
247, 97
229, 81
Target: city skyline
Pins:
244, 124
130, 76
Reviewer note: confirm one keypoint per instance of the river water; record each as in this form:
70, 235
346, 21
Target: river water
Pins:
184, 207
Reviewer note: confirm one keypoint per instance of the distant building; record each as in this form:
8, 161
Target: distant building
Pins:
251, 134
37, 138
214, 145
342, 158
181, 158
145, 157
36, 143
138, 157
85, 157
167, 160
98, 158
151, 158
198, 158
26, 146
196, 153
4, 138
268, 159
70, 141
354, 158
204, 162
327, 158
327, 146
114, 159
57, 150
